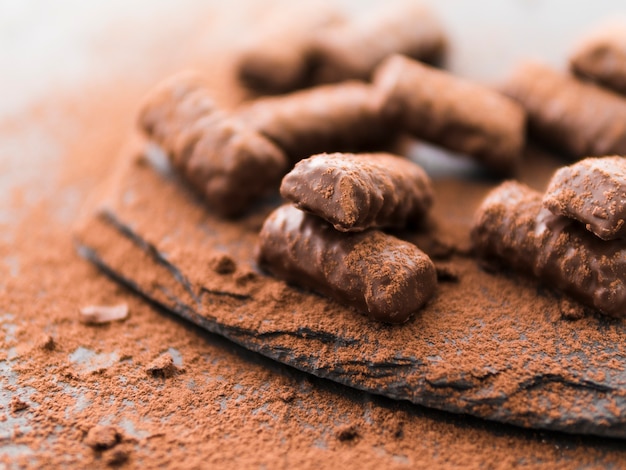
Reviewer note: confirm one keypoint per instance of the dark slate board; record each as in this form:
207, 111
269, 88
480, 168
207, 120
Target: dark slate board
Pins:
165, 262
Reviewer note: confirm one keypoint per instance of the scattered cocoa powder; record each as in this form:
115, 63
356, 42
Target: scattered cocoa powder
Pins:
231, 407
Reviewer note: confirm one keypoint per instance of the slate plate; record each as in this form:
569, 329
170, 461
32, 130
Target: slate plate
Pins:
488, 367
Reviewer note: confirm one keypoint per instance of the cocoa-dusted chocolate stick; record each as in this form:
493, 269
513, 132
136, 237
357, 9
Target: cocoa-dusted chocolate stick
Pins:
230, 164
452, 112
592, 191
353, 49
377, 274
344, 117
601, 56
278, 58
359, 191
512, 227
579, 118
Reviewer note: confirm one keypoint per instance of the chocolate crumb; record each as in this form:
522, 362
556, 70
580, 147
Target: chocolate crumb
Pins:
446, 273
163, 367
347, 433
103, 437
570, 309
98, 314
222, 263
245, 277
18, 405
117, 456
288, 396
47, 343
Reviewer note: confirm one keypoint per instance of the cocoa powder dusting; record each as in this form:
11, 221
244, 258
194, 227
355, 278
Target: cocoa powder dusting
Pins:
80, 397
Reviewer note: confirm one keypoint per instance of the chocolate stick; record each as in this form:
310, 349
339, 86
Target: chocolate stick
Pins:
512, 227
359, 191
278, 59
601, 56
344, 117
377, 274
452, 112
228, 163
592, 191
352, 50
579, 118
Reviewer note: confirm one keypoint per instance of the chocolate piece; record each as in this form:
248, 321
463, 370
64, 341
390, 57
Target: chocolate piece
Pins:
99, 315
163, 367
379, 275
172, 106
352, 50
278, 59
359, 191
452, 112
344, 117
602, 56
228, 163
592, 191
579, 118
512, 227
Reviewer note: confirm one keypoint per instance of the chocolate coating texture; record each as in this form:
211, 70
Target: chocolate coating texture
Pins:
601, 56
579, 118
279, 58
452, 112
513, 228
355, 192
228, 163
377, 274
352, 50
592, 191
344, 117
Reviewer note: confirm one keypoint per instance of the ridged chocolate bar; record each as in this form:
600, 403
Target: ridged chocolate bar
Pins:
353, 49
601, 56
228, 163
579, 118
452, 112
355, 192
514, 228
592, 191
333, 118
377, 274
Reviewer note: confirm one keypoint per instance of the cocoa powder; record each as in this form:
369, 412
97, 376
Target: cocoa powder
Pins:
229, 407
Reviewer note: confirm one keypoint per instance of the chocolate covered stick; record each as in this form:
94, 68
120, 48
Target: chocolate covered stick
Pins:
592, 191
602, 56
359, 191
452, 112
228, 163
512, 227
171, 107
342, 117
579, 118
377, 274
352, 50
278, 59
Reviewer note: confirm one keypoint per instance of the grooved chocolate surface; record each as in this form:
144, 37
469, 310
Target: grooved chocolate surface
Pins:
379, 275
228, 163
358, 191
579, 118
513, 227
601, 56
592, 191
352, 50
344, 117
